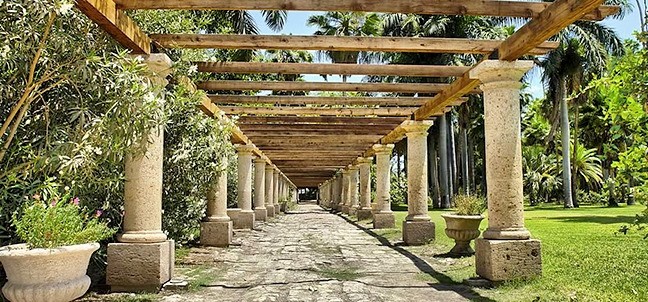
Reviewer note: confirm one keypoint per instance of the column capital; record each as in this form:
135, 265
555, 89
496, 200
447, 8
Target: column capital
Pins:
269, 168
416, 127
259, 160
244, 149
379, 149
364, 160
352, 168
490, 71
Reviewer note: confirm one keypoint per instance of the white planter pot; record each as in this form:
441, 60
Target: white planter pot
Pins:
46, 275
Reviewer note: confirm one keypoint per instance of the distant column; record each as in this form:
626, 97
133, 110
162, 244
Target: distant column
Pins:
216, 230
246, 216
277, 206
383, 217
364, 211
354, 202
269, 191
260, 211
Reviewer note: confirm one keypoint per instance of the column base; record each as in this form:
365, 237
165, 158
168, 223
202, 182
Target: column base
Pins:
418, 232
270, 210
364, 214
503, 260
345, 209
374, 208
261, 214
217, 234
244, 220
139, 267
277, 208
384, 221
353, 211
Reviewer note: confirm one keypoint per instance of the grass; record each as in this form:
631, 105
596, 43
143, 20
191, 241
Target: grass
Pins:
583, 259
200, 276
136, 298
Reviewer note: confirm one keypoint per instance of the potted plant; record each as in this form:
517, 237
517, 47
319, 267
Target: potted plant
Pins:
59, 239
463, 224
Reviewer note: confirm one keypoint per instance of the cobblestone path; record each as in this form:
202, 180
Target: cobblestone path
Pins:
311, 255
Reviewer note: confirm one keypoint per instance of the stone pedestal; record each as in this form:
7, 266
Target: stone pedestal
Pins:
502, 260
345, 209
364, 214
418, 232
234, 215
261, 214
244, 220
216, 233
353, 211
384, 221
270, 211
139, 267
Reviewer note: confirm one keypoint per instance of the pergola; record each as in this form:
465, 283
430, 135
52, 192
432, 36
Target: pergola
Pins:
308, 140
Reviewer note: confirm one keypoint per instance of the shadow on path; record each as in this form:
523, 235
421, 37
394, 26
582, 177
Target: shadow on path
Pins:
447, 284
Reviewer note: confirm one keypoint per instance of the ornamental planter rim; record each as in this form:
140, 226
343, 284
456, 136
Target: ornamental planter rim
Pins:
22, 250
471, 217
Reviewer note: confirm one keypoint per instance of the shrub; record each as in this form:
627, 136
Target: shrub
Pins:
469, 204
58, 222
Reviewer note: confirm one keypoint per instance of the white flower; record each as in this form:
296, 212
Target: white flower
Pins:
192, 69
5, 50
65, 8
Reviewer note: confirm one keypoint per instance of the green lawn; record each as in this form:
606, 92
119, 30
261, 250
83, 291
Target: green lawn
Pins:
583, 259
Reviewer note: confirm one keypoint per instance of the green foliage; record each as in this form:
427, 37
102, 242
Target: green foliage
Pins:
469, 204
398, 189
541, 174
55, 222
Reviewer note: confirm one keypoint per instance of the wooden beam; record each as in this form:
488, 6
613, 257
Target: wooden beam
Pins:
317, 120
558, 15
321, 111
337, 43
313, 133
455, 91
322, 86
315, 100
330, 69
423, 7
116, 24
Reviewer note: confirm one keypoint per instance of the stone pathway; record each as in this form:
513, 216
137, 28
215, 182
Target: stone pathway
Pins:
311, 255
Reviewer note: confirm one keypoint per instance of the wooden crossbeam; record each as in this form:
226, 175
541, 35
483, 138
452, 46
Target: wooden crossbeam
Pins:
311, 127
446, 98
312, 133
558, 15
317, 120
323, 86
329, 69
314, 100
337, 43
425, 7
321, 111
321, 147
318, 136
116, 24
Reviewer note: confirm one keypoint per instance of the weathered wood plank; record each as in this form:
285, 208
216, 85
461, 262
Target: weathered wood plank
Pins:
457, 89
321, 111
323, 86
332, 69
337, 43
425, 7
116, 24
319, 120
315, 100
558, 15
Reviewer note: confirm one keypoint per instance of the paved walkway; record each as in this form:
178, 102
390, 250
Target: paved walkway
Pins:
311, 255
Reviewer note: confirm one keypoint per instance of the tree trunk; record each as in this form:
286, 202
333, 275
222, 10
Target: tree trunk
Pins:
443, 162
471, 163
574, 172
433, 177
463, 143
452, 157
566, 164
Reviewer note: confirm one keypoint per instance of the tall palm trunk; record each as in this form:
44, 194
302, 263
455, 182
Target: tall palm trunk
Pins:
452, 159
443, 162
463, 148
433, 177
566, 162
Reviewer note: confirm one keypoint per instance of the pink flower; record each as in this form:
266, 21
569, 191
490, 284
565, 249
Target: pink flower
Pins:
75, 201
99, 213
54, 200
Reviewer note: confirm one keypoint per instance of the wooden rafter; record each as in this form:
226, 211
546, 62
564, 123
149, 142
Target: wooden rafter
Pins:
446, 98
336, 69
314, 100
317, 120
323, 86
117, 24
425, 7
313, 132
321, 111
337, 43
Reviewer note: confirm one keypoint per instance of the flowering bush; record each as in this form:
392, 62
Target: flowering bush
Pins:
58, 222
469, 204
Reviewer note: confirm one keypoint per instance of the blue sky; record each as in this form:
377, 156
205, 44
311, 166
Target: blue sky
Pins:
296, 25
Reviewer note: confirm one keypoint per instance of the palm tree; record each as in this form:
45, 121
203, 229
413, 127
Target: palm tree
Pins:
587, 167
540, 173
346, 24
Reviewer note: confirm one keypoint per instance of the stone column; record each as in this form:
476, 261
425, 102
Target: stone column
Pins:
339, 190
216, 229
364, 211
354, 202
142, 260
260, 211
245, 218
275, 194
346, 196
505, 252
383, 217
417, 227
269, 191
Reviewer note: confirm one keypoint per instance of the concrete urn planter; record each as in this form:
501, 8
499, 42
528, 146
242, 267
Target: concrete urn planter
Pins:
463, 229
46, 275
